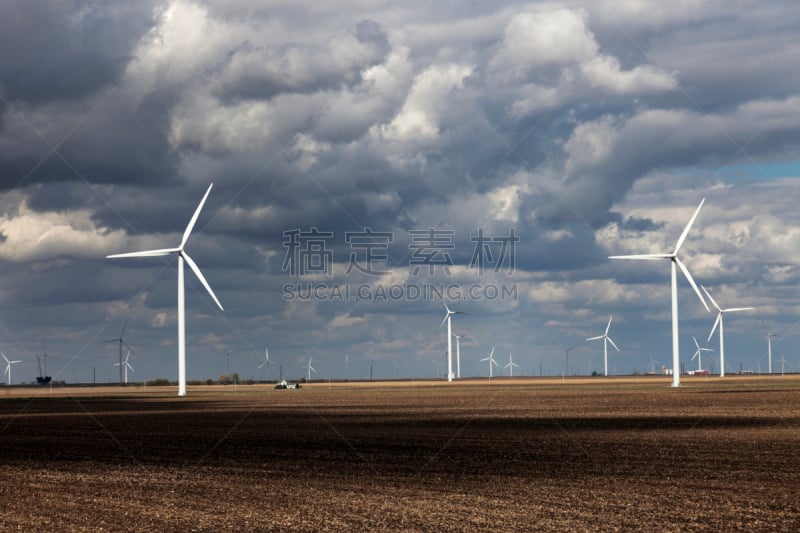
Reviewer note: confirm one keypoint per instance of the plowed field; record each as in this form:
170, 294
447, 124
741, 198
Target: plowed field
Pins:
594, 455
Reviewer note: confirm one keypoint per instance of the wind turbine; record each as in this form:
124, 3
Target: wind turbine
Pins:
491, 362
698, 354
769, 349
653, 364
510, 366
182, 256
126, 364
266, 361
447, 316
606, 340
121, 341
8, 367
566, 368
721, 330
675, 263
310, 369
458, 354
371, 360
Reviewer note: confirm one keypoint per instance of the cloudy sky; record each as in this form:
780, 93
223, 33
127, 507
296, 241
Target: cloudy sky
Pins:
584, 129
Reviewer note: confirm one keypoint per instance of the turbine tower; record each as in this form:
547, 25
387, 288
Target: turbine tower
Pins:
182, 257
606, 340
458, 354
719, 321
491, 360
448, 315
8, 367
675, 263
698, 354
510, 366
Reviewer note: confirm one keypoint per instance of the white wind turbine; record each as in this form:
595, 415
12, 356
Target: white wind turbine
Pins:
491, 360
510, 366
121, 341
309, 369
653, 364
698, 354
448, 315
718, 322
182, 256
769, 348
606, 340
126, 365
675, 263
458, 354
266, 361
8, 367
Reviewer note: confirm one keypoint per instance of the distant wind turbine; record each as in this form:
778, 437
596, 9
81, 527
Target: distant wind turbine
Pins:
606, 340
448, 315
510, 366
8, 367
127, 365
121, 341
310, 369
182, 256
458, 354
653, 364
266, 361
769, 349
491, 360
675, 263
698, 354
719, 322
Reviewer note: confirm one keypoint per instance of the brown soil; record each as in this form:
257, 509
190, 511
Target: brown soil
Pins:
593, 455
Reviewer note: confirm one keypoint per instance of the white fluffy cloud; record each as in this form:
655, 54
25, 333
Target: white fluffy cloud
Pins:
34, 236
431, 92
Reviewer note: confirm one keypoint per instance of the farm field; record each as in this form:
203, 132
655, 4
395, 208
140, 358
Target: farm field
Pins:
523, 454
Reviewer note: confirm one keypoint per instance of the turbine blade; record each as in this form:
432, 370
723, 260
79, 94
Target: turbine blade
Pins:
192, 222
129, 366
716, 323
444, 320
695, 342
732, 309
691, 282
688, 227
713, 302
595, 338
648, 257
202, 278
124, 327
145, 253
609, 324
695, 355
4, 357
612, 343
